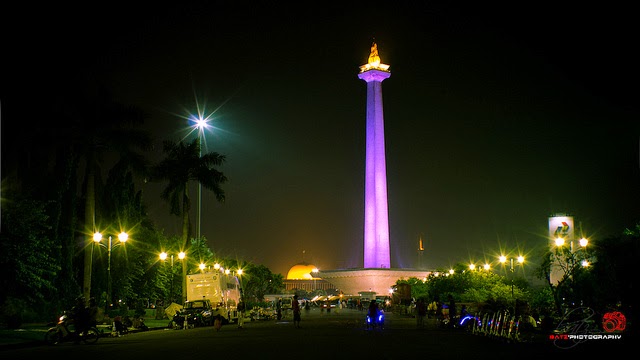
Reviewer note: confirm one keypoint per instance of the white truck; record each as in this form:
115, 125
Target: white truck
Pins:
215, 289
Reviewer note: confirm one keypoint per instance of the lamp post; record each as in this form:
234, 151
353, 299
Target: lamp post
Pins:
570, 262
200, 124
240, 272
183, 256
503, 259
97, 238
163, 257
572, 252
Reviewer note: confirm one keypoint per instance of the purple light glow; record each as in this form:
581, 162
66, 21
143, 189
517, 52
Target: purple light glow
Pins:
376, 217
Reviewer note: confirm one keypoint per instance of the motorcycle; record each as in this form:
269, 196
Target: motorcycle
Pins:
64, 331
467, 322
376, 320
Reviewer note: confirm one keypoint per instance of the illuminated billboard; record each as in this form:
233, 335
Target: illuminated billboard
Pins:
561, 226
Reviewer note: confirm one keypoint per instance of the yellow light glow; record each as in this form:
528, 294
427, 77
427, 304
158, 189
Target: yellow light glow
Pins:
584, 242
374, 61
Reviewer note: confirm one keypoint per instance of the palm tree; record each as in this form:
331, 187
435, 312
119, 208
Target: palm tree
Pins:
96, 128
182, 165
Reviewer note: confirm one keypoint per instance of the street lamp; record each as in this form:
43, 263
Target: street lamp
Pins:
240, 272
200, 124
183, 256
97, 238
503, 259
572, 252
163, 257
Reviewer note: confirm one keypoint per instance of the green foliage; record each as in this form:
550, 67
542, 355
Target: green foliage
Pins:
484, 288
28, 260
418, 290
259, 280
606, 283
541, 300
199, 252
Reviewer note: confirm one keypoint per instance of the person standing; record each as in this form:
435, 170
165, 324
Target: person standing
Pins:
241, 313
279, 309
440, 316
93, 312
421, 312
452, 312
295, 306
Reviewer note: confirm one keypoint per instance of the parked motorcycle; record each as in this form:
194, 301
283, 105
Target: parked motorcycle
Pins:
64, 331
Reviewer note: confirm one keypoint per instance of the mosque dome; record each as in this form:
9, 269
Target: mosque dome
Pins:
302, 271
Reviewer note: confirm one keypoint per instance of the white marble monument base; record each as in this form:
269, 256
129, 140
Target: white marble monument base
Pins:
354, 281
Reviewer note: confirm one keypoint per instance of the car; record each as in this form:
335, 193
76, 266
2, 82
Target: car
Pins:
197, 313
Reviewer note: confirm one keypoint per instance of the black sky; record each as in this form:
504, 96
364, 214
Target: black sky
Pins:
496, 116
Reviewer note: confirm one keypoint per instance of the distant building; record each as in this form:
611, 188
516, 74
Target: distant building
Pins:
301, 276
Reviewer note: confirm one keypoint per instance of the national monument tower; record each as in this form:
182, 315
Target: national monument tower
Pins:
377, 276
376, 213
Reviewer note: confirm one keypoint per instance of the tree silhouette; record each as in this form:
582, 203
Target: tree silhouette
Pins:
183, 163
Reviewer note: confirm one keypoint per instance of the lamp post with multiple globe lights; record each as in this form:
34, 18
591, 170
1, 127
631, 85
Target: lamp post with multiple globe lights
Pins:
181, 255
503, 260
97, 238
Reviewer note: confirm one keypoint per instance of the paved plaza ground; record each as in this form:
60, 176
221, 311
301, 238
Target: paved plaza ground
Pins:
322, 335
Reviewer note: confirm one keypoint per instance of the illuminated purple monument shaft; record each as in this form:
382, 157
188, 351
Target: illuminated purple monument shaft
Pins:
376, 217
377, 276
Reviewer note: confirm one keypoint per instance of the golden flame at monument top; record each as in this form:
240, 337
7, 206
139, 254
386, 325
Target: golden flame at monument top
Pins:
374, 61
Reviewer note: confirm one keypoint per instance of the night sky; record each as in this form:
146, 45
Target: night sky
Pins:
496, 116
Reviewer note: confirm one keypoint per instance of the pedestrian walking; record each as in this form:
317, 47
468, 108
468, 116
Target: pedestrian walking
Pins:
217, 323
